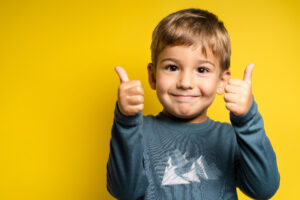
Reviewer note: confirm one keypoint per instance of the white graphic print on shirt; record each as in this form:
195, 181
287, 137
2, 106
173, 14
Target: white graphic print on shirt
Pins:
179, 170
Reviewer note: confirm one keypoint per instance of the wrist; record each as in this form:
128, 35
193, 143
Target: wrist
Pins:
127, 120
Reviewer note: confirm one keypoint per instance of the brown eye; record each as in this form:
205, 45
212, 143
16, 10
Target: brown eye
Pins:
172, 67
202, 70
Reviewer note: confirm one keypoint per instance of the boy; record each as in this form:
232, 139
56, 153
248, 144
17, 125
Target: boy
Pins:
181, 153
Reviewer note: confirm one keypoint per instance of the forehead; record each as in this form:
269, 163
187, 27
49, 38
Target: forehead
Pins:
188, 54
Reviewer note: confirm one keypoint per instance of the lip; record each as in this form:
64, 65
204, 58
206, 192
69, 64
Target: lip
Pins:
185, 97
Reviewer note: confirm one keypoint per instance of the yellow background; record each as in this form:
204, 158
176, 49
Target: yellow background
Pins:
58, 87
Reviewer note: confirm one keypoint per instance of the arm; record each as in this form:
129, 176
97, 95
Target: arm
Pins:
256, 167
125, 174
126, 178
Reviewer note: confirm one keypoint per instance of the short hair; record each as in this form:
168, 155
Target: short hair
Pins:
190, 27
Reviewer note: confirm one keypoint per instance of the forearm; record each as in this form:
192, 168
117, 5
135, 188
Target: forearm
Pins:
256, 169
125, 173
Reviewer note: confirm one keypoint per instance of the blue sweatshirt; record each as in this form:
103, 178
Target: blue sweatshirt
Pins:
158, 157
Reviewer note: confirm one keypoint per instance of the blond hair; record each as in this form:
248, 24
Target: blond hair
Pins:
189, 27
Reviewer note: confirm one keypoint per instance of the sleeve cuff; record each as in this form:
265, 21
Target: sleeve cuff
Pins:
127, 120
246, 117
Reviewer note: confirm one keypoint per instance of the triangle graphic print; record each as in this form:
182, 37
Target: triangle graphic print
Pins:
181, 171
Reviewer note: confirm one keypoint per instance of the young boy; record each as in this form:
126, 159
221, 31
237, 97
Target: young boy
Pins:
181, 153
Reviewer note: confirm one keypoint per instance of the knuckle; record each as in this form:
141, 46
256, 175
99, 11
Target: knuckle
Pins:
141, 107
141, 99
130, 100
138, 89
227, 105
138, 99
137, 109
225, 96
142, 90
136, 82
134, 99
127, 98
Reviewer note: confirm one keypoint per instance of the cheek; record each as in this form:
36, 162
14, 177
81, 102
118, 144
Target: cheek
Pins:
163, 83
160, 85
209, 87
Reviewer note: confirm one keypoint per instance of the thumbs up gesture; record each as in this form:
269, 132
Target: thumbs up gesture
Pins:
238, 93
130, 94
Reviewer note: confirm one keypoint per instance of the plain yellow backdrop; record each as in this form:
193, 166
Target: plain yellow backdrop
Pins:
58, 87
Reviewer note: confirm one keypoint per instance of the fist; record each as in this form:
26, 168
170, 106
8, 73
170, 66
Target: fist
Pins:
238, 93
130, 94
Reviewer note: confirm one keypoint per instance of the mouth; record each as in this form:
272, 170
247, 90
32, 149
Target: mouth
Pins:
181, 97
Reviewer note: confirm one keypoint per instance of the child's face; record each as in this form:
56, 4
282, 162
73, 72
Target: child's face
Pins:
186, 81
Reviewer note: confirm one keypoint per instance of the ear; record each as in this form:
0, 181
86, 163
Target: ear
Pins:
223, 81
151, 76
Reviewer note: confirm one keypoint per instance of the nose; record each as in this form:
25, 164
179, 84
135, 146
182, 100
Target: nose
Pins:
185, 80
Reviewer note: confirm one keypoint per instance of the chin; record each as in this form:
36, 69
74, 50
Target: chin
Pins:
187, 112
187, 116
183, 115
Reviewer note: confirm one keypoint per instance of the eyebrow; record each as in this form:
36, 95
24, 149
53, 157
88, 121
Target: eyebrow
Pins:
178, 61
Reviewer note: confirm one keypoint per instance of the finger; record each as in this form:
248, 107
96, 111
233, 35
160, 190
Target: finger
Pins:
130, 84
234, 89
248, 73
136, 90
134, 109
231, 98
122, 74
236, 82
135, 100
231, 107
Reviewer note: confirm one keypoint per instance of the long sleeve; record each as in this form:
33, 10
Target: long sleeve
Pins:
256, 167
126, 178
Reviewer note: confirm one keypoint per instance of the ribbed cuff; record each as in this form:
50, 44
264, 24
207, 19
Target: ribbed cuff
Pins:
127, 120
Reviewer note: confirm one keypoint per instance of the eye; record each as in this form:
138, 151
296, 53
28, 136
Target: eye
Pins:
202, 70
172, 67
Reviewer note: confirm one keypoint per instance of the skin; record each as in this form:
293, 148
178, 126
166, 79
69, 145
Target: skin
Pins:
186, 83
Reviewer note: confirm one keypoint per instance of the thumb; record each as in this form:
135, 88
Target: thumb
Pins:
122, 74
248, 73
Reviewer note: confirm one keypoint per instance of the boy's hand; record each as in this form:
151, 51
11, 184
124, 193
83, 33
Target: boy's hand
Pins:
238, 93
130, 94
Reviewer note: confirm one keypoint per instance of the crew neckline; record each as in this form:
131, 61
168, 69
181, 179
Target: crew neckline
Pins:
181, 126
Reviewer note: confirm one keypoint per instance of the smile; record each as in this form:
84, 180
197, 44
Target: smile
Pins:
185, 97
